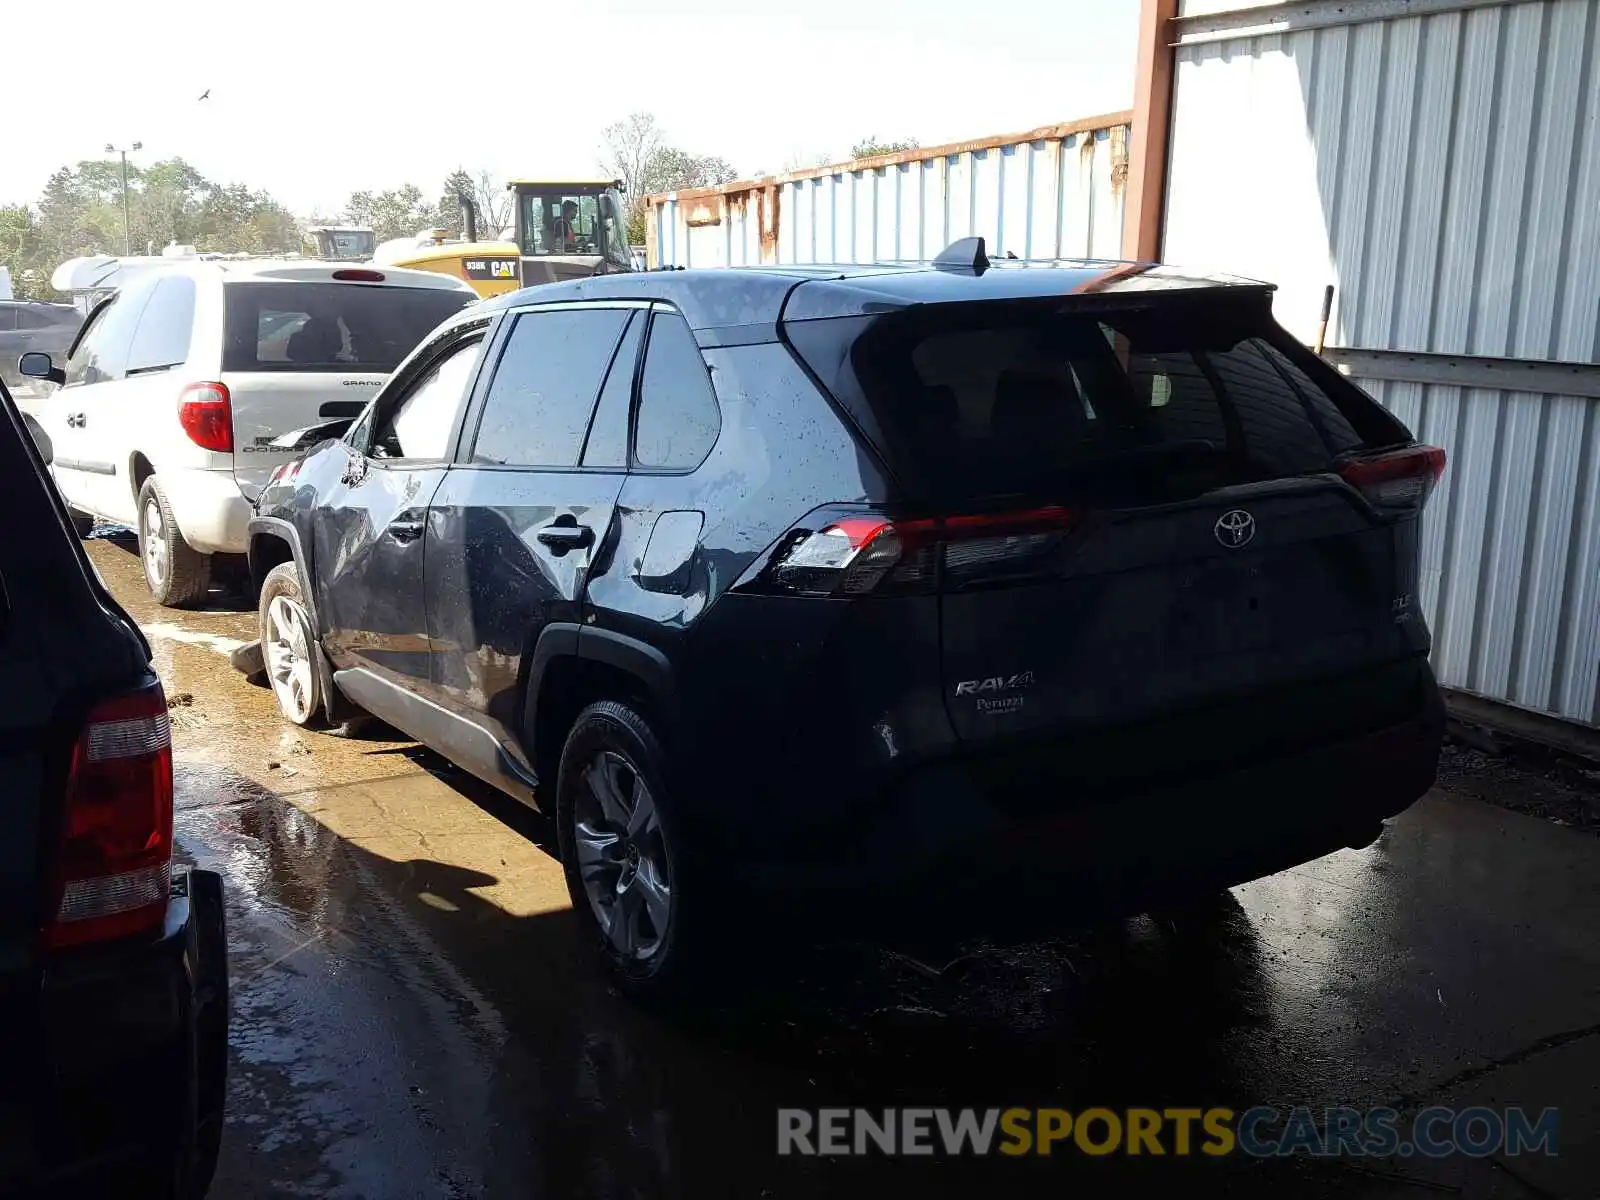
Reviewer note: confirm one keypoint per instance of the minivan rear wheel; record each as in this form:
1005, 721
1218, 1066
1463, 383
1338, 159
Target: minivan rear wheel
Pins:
625, 852
178, 575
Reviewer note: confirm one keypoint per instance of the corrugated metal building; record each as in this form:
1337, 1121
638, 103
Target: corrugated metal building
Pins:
1054, 192
1438, 162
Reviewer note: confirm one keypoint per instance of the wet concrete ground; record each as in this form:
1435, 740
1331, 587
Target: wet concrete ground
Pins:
413, 1018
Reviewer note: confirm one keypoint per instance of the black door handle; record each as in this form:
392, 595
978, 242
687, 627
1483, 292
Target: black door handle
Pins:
562, 538
405, 531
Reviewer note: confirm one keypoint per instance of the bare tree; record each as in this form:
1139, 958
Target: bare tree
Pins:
805, 160
627, 149
635, 151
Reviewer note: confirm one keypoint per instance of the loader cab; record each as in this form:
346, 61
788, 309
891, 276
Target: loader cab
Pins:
341, 243
570, 230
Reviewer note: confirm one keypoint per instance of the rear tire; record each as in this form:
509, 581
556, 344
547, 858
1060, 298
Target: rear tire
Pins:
289, 648
630, 867
178, 575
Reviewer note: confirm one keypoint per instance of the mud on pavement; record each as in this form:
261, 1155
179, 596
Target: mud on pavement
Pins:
413, 1018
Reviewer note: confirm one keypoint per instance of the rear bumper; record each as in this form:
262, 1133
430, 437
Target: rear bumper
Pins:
212, 513
944, 844
130, 1052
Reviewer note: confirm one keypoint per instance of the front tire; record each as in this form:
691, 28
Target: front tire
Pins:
178, 575
289, 647
626, 856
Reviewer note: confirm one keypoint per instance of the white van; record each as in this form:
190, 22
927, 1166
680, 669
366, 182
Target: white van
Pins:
176, 387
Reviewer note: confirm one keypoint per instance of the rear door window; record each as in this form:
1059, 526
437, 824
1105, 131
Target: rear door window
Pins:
539, 402
678, 419
333, 326
162, 339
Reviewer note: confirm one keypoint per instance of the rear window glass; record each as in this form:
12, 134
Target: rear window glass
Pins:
330, 326
1009, 400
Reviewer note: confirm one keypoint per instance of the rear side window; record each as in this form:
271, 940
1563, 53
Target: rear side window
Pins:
608, 432
1013, 398
537, 408
162, 339
329, 326
678, 418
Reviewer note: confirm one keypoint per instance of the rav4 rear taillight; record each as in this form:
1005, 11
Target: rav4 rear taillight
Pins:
861, 554
1398, 482
113, 863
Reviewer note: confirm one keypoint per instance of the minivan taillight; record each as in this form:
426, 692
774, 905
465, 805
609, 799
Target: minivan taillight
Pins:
1398, 482
113, 865
205, 410
869, 554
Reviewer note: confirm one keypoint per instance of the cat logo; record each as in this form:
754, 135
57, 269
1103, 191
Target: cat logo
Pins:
497, 269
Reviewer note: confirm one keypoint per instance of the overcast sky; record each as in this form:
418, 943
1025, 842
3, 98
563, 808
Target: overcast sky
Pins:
313, 99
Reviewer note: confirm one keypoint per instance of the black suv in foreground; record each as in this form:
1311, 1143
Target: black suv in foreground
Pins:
113, 964
1078, 588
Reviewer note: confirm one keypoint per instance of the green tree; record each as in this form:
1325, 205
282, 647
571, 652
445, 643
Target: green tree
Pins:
671, 169
490, 197
80, 212
398, 212
22, 251
871, 147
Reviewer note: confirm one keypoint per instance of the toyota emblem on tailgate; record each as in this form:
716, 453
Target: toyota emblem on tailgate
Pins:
1235, 528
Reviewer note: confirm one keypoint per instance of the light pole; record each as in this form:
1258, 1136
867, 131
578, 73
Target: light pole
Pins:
127, 236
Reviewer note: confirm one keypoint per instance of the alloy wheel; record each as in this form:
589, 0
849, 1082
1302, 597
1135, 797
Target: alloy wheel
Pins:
622, 855
153, 529
287, 650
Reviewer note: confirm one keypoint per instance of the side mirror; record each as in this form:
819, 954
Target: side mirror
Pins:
41, 439
36, 364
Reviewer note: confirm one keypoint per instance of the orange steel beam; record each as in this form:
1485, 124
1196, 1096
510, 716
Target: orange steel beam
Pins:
1152, 122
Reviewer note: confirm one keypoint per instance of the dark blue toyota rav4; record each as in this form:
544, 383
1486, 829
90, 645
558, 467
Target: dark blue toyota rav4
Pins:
1082, 587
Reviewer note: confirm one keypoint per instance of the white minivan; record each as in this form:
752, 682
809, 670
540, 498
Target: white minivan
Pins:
177, 386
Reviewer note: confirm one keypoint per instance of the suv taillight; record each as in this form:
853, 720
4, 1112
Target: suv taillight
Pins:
114, 861
1398, 482
205, 410
870, 554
